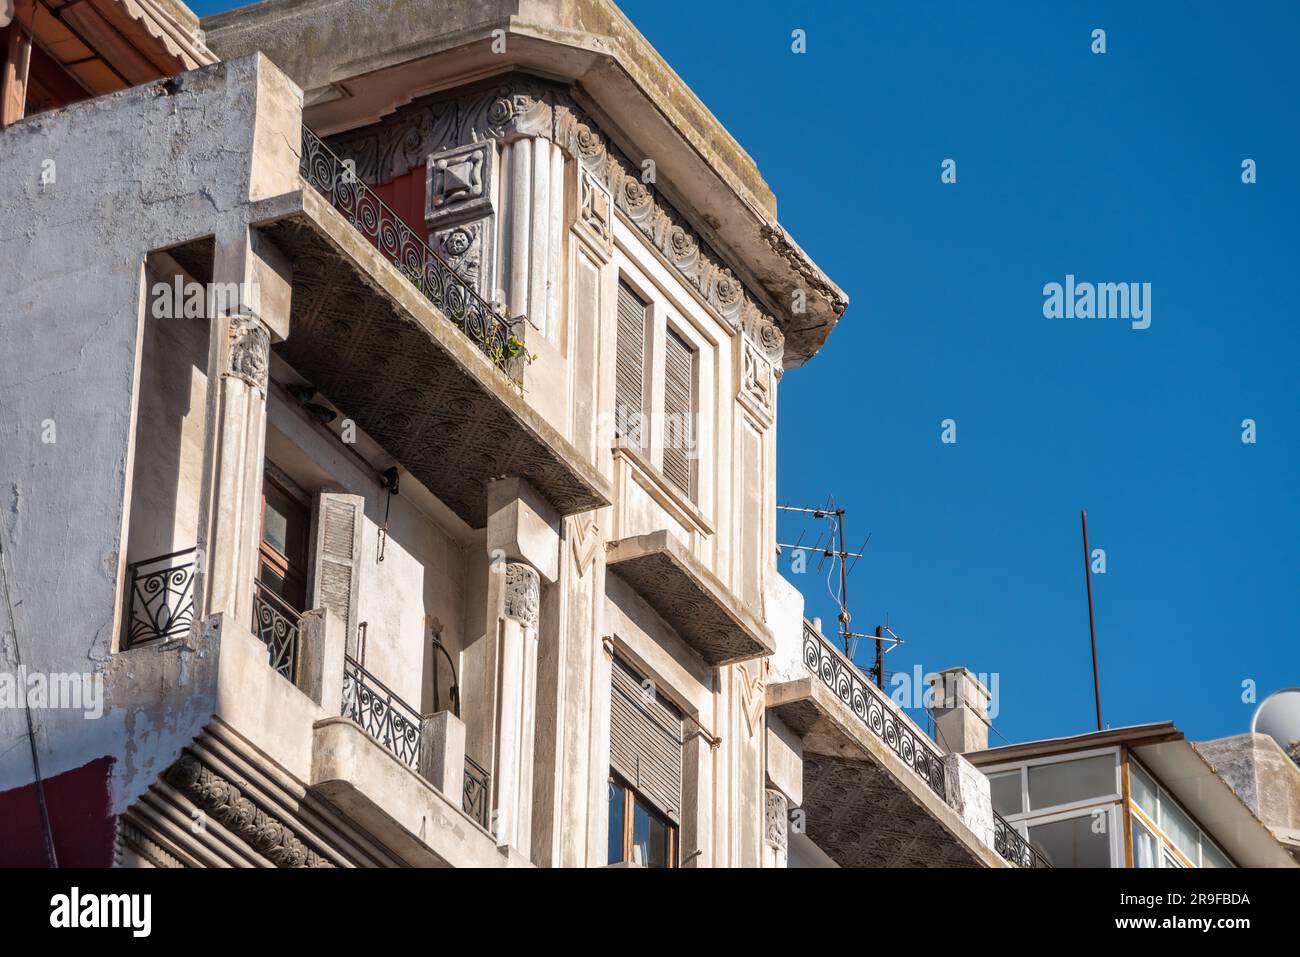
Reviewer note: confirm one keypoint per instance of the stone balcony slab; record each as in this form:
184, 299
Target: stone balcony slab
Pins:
690, 598
381, 352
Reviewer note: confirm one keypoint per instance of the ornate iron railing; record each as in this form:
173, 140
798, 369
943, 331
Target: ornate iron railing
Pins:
1013, 847
475, 798
160, 603
278, 624
401, 246
872, 708
381, 713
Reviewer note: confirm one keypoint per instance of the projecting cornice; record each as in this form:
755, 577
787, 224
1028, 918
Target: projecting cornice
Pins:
359, 63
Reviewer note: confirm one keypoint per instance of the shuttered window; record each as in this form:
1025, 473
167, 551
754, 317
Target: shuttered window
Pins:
645, 741
679, 412
336, 571
629, 386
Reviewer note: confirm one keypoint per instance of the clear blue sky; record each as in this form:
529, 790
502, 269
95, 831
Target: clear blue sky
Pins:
1117, 167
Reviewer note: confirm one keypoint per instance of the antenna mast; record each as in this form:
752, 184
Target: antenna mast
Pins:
1092, 625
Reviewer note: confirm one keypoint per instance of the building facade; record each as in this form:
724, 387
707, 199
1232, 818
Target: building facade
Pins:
389, 401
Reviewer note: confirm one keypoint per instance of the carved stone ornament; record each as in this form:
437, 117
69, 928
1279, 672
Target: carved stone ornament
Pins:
776, 819
439, 127
224, 801
250, 350
523, 593
459, 184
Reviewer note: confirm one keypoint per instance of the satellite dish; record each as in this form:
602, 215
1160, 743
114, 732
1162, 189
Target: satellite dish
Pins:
1278, 716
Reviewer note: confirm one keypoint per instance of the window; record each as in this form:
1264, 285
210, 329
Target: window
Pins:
657, 388
1005, 790
629, 372
1079, 841
637, 832
645, 782
1066, 782
1158, 815
282, 559
1146, 846
679, 413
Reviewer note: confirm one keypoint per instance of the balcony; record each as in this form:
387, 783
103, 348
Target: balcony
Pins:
406, 348
875, 788
402, 731
160, 598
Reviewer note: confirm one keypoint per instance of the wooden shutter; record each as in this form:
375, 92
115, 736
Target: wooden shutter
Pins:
645, 741
629, 374
679, 409
337, 559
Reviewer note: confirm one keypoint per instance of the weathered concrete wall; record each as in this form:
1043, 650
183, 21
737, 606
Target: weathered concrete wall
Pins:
1261, 774
145, 169
421, 578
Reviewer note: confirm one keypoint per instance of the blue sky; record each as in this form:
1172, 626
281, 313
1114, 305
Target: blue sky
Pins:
1122, 167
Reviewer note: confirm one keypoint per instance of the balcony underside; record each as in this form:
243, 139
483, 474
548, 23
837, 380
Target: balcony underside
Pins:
364, 336
863, 805
690, 598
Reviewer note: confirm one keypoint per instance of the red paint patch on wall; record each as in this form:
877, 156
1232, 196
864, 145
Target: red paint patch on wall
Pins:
405, 194
80, 816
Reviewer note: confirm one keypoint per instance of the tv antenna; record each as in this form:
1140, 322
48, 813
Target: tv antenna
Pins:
830, 545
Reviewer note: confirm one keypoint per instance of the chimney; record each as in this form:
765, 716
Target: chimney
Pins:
959, 706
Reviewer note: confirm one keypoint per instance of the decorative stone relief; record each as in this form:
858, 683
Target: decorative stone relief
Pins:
586, 541
463, 249
250, 350
595, 207
776, 819
459, 184
752, 696
523, 593
528, 106
762, 349
224, 801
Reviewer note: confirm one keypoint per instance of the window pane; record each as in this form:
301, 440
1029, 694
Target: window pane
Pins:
1073, 842
1068, 781
277, 529
1005, 789
640, 834
1179, 828
1146, 849
1143, 791
615, 822
658, 850
1211, 856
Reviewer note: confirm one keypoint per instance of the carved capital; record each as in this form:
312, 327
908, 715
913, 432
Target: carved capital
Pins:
776, 819
523, 593
250, 350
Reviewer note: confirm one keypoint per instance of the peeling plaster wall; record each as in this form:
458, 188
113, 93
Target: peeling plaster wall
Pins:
144, 169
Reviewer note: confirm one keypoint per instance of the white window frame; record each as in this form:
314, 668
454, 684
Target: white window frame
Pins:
665, 310
1114, 825
1033, 814
1166, 844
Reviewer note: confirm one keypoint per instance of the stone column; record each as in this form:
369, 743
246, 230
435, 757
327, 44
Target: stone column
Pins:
249, 308
517, 706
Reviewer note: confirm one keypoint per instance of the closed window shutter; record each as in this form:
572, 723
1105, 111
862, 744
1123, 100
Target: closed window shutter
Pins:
336, 570
679, 409
629, 381
645, 741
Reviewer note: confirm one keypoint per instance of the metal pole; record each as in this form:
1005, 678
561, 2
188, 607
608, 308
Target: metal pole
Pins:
880, 658
1092, 624
844, 586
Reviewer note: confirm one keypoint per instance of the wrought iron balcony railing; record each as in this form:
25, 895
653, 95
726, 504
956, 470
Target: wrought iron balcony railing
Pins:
475, 798
401, 246
1013, 847
278, 624
873, 708
381, 713
160, 603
